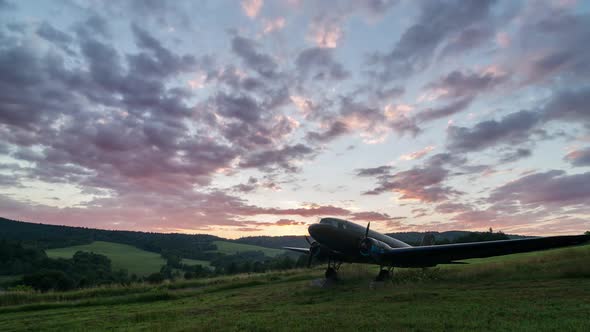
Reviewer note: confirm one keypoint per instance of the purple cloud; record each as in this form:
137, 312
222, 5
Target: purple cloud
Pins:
579, 157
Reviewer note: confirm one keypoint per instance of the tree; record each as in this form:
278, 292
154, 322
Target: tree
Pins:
155, 278
49, 279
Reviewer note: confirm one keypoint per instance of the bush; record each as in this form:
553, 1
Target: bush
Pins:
45, 280
21, 288
155, 278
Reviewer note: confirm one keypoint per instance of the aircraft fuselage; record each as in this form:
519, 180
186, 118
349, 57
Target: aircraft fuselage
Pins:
343, 237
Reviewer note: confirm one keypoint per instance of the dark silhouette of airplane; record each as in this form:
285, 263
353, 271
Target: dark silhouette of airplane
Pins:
341, 241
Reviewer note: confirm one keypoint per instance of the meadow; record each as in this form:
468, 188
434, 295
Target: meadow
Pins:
122, 256
229, 248
142, 262
543, 291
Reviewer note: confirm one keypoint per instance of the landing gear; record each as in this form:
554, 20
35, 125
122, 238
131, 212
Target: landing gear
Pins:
332, 270
385, 274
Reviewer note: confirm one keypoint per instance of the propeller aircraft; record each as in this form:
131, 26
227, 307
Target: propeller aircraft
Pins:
339, 241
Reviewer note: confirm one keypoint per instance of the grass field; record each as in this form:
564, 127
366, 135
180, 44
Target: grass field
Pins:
546, 291
229, 248
122, 256
142, 262
195, 262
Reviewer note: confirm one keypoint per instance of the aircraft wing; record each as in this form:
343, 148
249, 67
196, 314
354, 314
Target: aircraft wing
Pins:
447, 253
299, 250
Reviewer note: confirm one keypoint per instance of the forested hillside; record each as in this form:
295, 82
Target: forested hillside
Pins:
196, 246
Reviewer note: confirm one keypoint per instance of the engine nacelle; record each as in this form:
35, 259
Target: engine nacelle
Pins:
373, 247
319, 251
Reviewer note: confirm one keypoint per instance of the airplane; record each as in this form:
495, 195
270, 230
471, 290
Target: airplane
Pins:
341, 241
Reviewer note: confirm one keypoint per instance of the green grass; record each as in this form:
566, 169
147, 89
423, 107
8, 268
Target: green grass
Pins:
122, 256
195, 262
545, 291
229, 248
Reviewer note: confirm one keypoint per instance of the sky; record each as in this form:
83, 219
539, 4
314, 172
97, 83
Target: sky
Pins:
253, 117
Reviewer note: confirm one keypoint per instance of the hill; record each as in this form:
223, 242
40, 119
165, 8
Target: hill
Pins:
540, 291
193, 246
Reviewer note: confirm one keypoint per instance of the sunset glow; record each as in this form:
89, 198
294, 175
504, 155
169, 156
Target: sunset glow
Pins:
243, 118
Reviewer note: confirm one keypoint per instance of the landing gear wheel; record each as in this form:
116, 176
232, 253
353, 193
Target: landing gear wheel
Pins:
332, 270
384, 275
331, 274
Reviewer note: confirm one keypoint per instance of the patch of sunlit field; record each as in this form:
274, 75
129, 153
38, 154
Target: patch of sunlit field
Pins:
230, 248
534, 292
122, 256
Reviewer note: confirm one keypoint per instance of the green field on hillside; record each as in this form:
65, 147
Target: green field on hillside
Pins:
229, 248
188, 261
122, 256
547, 291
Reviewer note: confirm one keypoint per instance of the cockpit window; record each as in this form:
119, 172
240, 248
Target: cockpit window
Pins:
334, 222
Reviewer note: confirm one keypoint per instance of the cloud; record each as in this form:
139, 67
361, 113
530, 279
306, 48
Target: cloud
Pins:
247, 50
247, 187
554, 45
514, 128
7, 5
51, 34
579, 157
282, 158
252, 7
372, 216
518, 127
515, 155
444, 111
417, 154
326, 31
436, 23
288, 222
424, 183
327, 28
569, 105
459, 84
374, 171
450, 207
553, 187
273, 25
319, 64
336, 129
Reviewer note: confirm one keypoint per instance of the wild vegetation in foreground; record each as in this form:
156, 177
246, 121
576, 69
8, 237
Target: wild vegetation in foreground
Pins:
541, 291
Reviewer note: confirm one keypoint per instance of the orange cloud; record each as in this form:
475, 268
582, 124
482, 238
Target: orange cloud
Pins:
252, 7
273, 25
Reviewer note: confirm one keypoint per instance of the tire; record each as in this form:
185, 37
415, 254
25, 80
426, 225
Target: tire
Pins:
331, 274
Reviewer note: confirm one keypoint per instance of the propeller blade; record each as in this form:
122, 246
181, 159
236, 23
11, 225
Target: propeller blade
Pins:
309, 260
367, 231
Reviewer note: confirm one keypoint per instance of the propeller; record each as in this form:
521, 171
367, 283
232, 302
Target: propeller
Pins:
365, 244
310, 255
314, 248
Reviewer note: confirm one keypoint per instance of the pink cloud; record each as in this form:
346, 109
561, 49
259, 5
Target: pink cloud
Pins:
252, 7
417, 154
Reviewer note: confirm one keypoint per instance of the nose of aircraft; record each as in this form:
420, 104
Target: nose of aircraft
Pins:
318, 231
